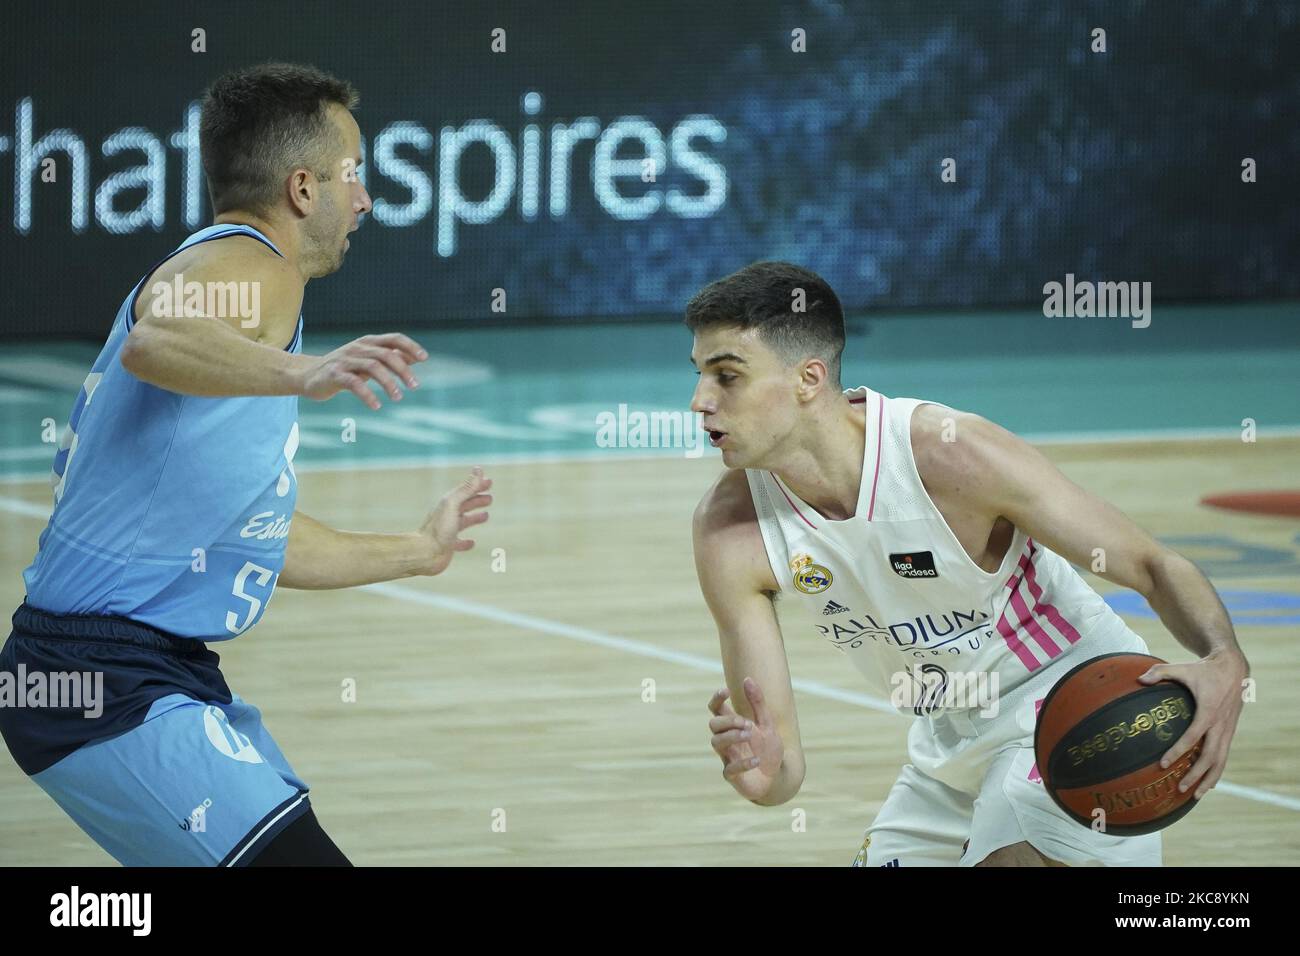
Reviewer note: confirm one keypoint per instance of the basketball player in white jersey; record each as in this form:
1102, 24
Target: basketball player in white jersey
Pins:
933, 548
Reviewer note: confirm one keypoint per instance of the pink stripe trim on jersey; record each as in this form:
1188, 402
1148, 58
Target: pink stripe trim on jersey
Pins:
1028, 623
1026, 573
792, 504
1063, 627
880, 421
1008, 632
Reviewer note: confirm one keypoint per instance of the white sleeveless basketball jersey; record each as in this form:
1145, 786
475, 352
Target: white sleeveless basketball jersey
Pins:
893, 589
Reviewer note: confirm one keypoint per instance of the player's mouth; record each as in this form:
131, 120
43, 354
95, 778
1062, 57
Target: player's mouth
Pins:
716, 438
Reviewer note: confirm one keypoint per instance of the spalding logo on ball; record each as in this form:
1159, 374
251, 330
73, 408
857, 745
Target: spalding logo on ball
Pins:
1099, 740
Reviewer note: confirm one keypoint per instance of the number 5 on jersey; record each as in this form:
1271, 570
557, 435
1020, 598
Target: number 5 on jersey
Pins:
263, 578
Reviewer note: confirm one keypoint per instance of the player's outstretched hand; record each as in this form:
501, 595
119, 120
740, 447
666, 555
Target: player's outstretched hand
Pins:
458, 510
751, 750
381, 358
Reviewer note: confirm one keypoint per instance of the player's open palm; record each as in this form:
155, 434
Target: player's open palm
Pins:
460, 509
385, 359
751, 750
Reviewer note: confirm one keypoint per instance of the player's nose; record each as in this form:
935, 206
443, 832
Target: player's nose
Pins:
701, 401
362, 205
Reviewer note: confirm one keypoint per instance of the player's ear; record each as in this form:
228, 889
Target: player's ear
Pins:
302, 187
813, 376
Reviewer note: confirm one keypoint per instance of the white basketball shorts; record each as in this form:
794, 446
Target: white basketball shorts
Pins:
971, 786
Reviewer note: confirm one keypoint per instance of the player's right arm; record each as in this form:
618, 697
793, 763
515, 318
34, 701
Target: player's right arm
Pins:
235, 355
758, 741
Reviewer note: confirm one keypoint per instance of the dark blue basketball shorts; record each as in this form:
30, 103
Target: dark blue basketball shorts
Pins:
163, 765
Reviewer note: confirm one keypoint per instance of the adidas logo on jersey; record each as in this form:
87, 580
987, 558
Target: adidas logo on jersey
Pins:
833, 608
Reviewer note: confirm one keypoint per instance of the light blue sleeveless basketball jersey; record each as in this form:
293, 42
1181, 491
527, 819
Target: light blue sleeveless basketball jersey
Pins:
171, 510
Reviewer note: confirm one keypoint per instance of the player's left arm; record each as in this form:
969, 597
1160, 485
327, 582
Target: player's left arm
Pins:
990, 469
318, 557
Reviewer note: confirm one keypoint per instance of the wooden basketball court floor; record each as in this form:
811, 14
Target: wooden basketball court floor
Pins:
520, 697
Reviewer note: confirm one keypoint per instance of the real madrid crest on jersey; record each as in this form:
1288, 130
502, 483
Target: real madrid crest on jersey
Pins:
861, 858
809, 578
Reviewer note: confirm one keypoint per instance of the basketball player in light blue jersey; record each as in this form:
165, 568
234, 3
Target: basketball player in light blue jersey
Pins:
175, 495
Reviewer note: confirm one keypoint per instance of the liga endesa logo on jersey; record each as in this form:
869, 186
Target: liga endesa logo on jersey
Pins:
914, 564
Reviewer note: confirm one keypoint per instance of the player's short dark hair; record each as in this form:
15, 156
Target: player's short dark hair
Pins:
764, 296
257, 124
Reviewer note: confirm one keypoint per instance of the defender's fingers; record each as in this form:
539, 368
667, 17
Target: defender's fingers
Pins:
468, 521
392, 358
478, 501
396, 340
358, 387
376, 370
470, 486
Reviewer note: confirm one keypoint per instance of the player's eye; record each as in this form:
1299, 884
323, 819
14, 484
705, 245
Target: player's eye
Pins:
726, 378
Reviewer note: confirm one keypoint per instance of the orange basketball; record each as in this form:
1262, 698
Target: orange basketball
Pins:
1099, 740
